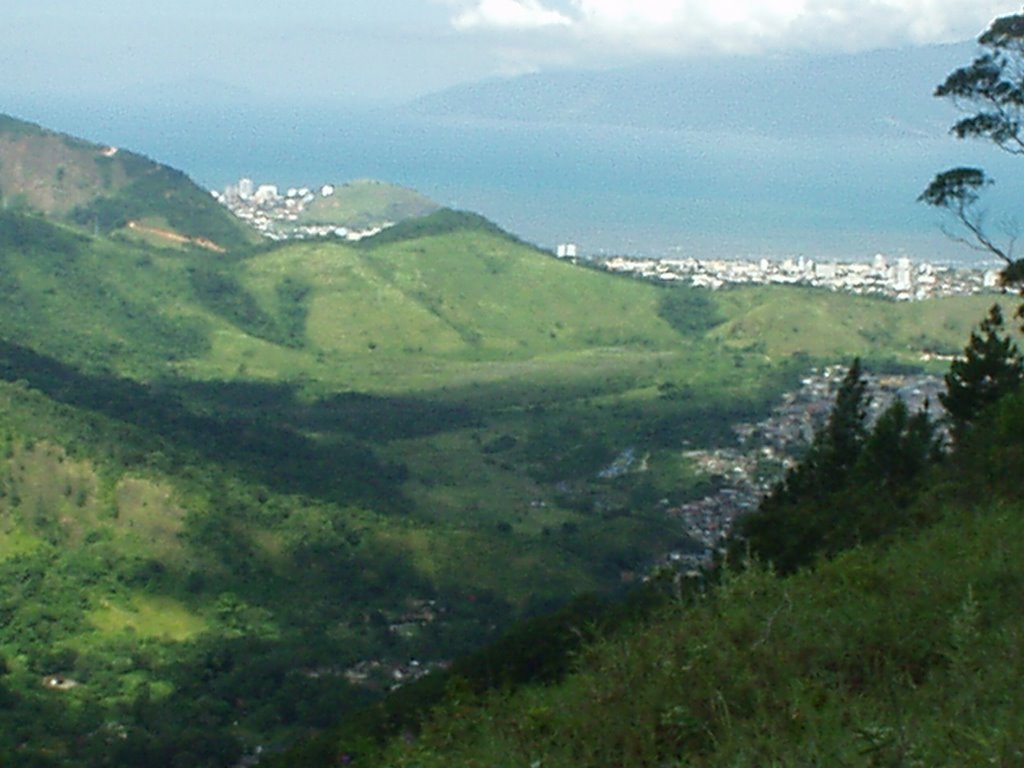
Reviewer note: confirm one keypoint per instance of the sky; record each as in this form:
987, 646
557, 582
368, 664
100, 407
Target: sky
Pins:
387, 51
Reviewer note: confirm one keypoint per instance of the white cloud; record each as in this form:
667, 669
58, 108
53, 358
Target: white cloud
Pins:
692, 26
737, 25
509, 14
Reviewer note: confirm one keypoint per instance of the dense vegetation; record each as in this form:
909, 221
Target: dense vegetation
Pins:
194, 442
867, 614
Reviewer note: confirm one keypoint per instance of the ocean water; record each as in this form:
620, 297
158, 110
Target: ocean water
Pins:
611, 190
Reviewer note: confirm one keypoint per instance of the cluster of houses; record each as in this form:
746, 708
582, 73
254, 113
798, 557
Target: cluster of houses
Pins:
379, 675
278, 215
901, 280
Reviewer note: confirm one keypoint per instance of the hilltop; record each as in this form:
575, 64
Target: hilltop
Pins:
366, 203
109, 189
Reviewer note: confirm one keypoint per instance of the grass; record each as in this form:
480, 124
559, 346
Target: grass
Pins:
147, 513
845, 666
15, 542
432, 313
438, 298
148, 617
812, 322
53, 496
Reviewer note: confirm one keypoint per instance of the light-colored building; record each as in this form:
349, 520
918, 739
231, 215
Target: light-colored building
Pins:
903, 279
265, 193
825, 271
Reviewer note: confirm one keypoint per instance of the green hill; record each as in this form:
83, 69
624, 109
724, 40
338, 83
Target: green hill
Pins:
226, 481
365, 203
818, 325
105, 188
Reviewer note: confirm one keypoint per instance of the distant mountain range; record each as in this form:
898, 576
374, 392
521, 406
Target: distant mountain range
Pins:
878, 92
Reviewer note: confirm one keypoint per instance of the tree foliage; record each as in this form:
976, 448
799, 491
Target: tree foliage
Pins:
991, 88
958, 192
990, 93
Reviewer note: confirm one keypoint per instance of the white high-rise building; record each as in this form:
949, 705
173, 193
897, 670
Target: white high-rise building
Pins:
903, 278
245, 188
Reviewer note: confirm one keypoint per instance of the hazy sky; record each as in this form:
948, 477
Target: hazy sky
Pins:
388, 50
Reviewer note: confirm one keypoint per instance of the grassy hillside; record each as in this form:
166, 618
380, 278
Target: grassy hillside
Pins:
95, 302
227, 479
104, 188
365, 203
805, 321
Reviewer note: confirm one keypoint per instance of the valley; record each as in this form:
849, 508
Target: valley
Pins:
232, 482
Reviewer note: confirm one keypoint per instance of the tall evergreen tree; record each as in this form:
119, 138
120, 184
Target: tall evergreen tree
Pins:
853, 486
990, 368
885, 479
791, 524
899, 447
840, 443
